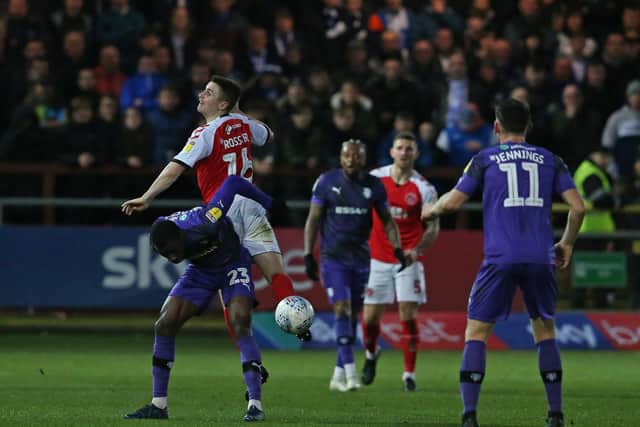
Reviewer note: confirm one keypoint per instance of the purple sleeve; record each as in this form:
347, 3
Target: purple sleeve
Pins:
235, 185
563, 180
318, 191
380, 201
472, 177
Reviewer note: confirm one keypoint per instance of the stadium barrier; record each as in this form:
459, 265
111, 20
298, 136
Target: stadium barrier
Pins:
445, 331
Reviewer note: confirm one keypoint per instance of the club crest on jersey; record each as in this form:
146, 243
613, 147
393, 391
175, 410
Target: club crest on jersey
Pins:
366, 192
230, 128
213, 214
411, 199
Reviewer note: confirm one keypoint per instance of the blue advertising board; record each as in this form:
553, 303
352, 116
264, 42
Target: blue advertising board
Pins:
76, 267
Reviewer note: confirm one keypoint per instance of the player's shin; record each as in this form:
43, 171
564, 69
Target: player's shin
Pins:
370, 333
344, 334
282, 286
472, 373
163, 356
251, 372
409, 345
551, 372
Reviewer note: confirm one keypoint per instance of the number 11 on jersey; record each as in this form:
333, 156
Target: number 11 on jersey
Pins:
514, 199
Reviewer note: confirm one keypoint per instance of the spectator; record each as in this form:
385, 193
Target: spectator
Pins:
72, 18
445, 45
631, 21
218, 21
180, 39
294, 63
574, 128
562, 74
424, 66
622, 132
122, 27
109, 78
295, 96
284, 36
357, 66
149, 42
574, 26
141, 89
107, 122
17, 82
171, 125
21, 26
619, 71
342, 128
136, 140
356, 20
295, 148
85, 87
458, 91
257, 56
320, 88
465, 137
596, 93
223, 64
74, 57
350, 96
442, 15
526, 22
391, 93
334, 33
268, 85
397, 18
84, 145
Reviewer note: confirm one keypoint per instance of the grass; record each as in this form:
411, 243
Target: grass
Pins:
90, 379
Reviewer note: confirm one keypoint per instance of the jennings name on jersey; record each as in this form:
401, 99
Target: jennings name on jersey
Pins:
220, 149
405, 204
519, 181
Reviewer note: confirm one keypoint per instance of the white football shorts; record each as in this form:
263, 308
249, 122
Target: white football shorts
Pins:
250, 222
409, 284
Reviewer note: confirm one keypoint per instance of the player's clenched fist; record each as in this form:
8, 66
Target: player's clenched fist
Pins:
311, 267
135, 205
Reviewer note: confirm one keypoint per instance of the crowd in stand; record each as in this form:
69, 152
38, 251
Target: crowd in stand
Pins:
91, 82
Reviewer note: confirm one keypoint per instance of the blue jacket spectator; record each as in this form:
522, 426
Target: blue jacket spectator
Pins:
141, 89
463, 138
171, 125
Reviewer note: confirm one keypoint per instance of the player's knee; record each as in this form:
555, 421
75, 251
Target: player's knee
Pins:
342, 309
270, 264
166, 326
241, 322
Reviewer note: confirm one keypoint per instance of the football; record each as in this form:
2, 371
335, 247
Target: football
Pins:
294, 315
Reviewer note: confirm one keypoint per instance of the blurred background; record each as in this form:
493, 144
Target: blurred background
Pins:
99, 95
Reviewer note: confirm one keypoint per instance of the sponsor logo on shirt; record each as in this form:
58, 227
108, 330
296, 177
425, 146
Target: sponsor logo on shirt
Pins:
411, 198
351, 210
366, 192
213, 214
230, 128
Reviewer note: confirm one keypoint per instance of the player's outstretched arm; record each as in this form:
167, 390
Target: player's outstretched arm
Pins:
164, 180
311, 227
564, 248
448, 203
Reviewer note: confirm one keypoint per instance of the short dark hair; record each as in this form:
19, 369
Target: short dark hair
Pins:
513, 115
405, 135
164, 232
231, 90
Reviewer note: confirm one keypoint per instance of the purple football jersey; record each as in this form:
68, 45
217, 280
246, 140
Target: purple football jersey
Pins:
519, 181
346, 216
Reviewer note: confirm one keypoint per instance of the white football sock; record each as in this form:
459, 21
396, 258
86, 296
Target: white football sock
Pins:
338, 373
159, 402
256, 403
350, 370
411, 375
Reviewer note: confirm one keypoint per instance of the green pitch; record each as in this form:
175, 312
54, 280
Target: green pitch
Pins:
93, 379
